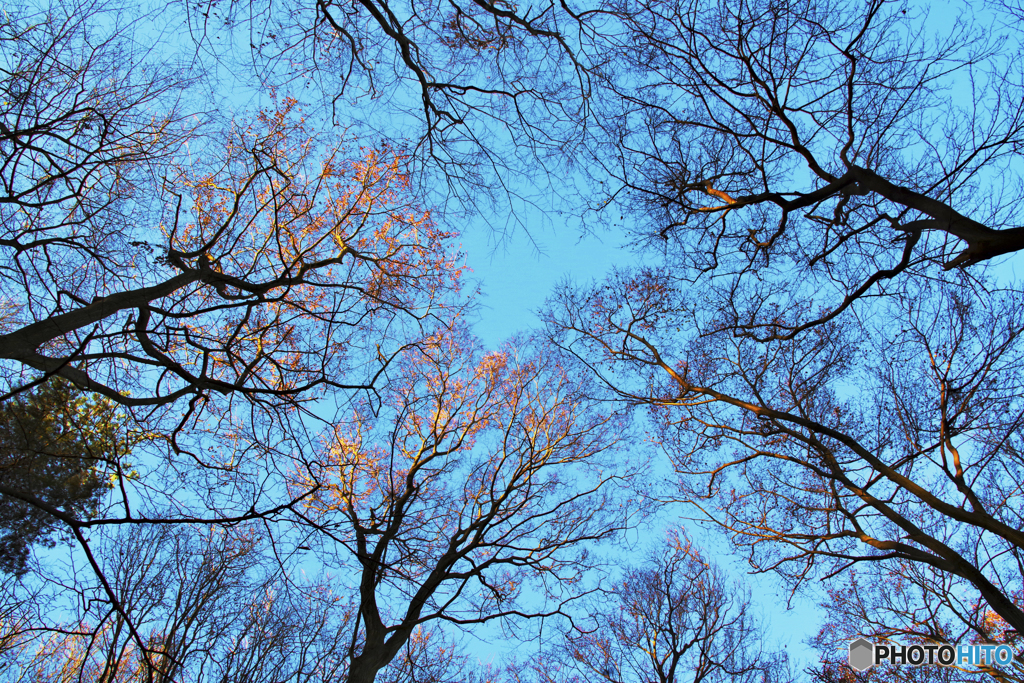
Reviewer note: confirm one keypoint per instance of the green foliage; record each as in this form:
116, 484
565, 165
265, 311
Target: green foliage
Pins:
57, 450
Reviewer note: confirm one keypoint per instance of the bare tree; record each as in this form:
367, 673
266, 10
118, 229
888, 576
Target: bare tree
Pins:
486, 93
474, 490
908, 606
209, 279
212, 606
433, 655
148, 271
827, 393
204, 605
474, 494
251, 269
675, 618
895, 443
797, 156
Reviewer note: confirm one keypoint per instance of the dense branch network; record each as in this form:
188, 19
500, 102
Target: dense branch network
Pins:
481, 479
811, 152
897, 444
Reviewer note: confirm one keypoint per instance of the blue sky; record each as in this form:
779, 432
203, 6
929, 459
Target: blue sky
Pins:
517, 273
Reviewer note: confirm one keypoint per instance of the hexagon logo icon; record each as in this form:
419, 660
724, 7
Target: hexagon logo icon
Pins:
862, 655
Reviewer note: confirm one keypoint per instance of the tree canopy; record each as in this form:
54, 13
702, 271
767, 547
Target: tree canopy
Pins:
240, 376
